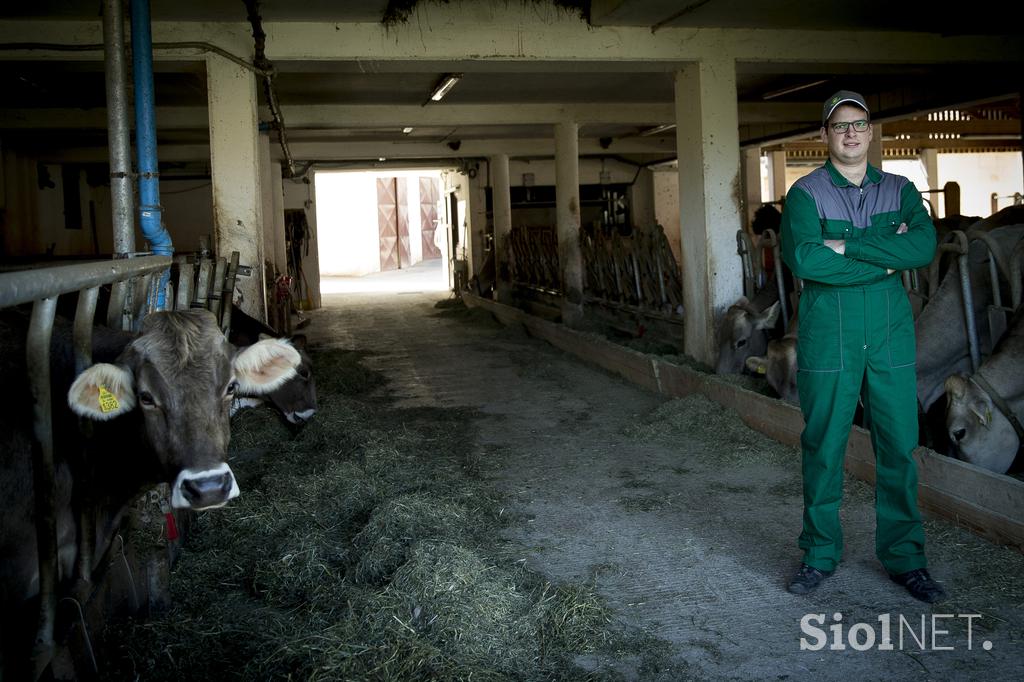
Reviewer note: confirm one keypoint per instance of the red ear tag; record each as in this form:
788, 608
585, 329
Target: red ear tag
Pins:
172, 526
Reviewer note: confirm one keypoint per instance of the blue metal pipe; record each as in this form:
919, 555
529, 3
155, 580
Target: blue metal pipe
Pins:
150, 214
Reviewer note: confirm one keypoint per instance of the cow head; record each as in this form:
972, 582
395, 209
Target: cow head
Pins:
779, 367
296, 398
181, 374
979, 432
741, 334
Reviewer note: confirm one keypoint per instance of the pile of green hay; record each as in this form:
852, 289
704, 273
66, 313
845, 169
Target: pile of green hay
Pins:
362, 547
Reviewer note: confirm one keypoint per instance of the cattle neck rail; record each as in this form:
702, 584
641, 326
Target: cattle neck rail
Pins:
998, 314
753, 273
41, 287
1016, 275
956, 242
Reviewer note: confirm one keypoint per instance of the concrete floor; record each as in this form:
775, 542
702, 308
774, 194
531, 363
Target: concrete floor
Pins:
426, 275
686, 537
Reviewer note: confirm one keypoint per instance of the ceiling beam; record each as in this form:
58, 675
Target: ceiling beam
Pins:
333, 116
505, 32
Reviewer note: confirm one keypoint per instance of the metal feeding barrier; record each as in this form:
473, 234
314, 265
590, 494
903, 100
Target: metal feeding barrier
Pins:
207, 283
751, 252
637, 271
42, 287
533, 258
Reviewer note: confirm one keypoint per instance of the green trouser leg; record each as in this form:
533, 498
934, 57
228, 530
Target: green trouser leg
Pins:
890, 412
828, 400
853, 343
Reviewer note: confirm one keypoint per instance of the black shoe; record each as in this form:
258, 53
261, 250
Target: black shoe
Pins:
806, 579
920, 585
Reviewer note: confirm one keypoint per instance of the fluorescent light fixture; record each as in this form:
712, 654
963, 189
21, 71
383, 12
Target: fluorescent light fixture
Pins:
407, 129
446, 83
656, 130
795, 88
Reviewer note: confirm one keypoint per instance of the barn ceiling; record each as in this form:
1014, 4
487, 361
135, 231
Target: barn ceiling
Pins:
778, 100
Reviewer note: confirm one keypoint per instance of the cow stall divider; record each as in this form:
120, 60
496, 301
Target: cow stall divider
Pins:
750, 251
998, 314
956, 243
633, 282
42, 287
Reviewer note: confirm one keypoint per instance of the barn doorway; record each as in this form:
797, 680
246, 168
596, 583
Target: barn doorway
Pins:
382, 231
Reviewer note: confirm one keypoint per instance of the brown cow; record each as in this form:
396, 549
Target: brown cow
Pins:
159, 412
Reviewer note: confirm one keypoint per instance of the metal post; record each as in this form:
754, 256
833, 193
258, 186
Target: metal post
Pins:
38, 365
121, 198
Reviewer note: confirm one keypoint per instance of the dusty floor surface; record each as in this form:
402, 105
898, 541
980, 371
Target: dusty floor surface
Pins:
685, 520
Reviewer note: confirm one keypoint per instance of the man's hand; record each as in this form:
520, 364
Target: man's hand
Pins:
902, 228
837, 245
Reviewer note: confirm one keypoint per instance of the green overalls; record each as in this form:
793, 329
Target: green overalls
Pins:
856, 339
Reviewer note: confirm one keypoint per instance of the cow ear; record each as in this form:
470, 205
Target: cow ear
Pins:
757, 365
768, 318
299, 341
265, 366
955, 387
102, 392
982, 409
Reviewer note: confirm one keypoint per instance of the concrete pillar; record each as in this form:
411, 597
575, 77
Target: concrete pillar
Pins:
930, 160
750, 162
875, 148
476, 208
501, 201
778, 168
234, 163
709, 180
641, 199
567, 218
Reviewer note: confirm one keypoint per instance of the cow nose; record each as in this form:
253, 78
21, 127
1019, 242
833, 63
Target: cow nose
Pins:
958, 435
204, 489
300, 417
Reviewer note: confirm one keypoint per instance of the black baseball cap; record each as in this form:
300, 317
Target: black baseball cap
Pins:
842, 97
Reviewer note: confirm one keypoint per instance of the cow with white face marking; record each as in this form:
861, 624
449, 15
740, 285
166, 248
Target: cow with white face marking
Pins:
984, 411
157, 410
743, 331
296, 398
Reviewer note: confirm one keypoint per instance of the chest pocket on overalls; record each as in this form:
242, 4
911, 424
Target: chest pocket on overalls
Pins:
902, 351
819, 344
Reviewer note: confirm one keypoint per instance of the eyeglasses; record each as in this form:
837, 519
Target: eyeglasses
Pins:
842, 126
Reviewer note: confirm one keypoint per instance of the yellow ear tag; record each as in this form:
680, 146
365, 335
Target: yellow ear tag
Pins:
988, 415
761, 369
108, 401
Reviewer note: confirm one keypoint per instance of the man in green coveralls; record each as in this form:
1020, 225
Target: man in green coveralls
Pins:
847, 229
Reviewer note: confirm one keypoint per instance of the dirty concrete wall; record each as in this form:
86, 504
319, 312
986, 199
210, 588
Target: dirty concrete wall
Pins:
33, 217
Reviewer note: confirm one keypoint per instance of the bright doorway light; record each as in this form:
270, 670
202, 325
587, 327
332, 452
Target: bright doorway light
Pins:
381, 231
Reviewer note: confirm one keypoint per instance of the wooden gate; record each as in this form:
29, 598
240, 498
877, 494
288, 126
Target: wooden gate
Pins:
429, 193
393, 223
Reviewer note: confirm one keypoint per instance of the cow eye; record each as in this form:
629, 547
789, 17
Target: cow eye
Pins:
231, 389
303, 372
740, 343
146, 398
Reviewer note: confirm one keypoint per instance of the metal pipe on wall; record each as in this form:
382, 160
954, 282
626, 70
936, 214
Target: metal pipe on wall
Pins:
150, 214
121, 198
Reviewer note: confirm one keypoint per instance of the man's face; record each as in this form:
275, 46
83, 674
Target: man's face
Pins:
850, 147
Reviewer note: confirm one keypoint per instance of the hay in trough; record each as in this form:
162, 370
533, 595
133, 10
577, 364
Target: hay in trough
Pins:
363, 547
